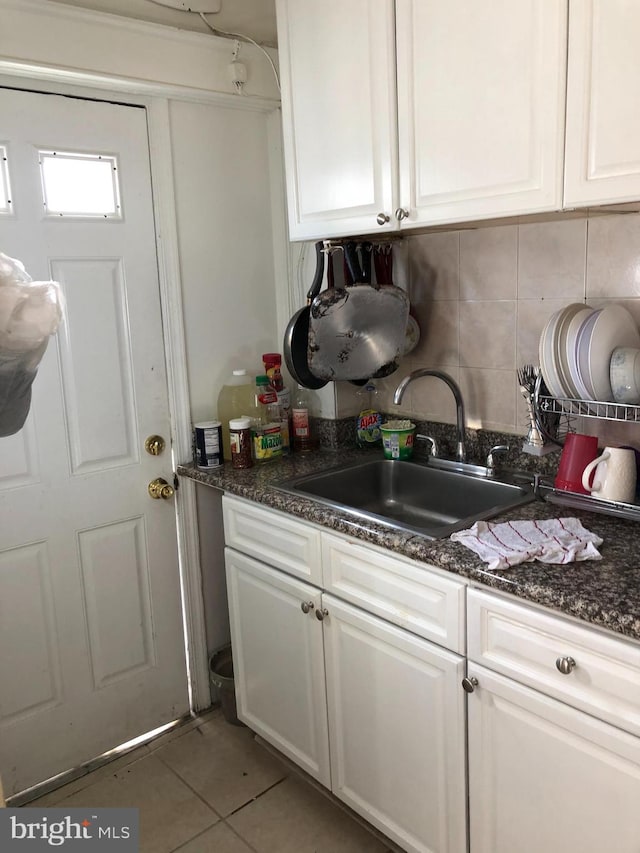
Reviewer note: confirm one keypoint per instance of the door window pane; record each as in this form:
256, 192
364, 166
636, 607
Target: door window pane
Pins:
5, 192
80, 184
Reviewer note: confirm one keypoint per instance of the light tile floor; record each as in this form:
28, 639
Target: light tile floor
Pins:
209, 787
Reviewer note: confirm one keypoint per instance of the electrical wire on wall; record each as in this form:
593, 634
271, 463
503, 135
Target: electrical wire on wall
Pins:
226, 34
238, 71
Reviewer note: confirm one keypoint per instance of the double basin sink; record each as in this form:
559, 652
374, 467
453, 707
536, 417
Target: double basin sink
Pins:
433, 499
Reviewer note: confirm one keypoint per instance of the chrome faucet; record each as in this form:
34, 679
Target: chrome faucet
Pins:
461, 452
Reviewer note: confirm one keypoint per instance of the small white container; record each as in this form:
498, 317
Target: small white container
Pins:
624, 374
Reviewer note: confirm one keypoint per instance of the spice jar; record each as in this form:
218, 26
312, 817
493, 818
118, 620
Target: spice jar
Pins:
272, 367
240, 440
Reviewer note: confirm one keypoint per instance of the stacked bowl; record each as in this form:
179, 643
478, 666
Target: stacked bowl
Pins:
591, 354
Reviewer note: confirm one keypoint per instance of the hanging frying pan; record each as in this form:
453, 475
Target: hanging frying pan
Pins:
357, 274
357, 332
383, 265
296, 336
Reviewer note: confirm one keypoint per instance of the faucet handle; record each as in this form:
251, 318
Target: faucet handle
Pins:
434, 444
491, 461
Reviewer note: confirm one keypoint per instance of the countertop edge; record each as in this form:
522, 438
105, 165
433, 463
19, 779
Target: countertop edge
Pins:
604, 594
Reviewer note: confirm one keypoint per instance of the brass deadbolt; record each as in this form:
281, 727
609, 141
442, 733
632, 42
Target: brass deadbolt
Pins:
154, 445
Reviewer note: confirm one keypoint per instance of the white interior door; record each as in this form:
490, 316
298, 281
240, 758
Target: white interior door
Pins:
91, 640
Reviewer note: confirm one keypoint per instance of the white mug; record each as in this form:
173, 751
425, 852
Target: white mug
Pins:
615, 475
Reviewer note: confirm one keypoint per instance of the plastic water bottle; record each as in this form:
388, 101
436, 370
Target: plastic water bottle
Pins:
236, 398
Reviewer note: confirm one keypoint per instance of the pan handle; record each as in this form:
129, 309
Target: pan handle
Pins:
366, 252
316, 284
351, 257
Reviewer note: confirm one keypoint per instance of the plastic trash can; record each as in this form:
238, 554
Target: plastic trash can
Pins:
221, 677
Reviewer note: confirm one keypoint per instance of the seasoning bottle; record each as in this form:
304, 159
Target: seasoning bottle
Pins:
240, 441
284, 403
266, 435
303, 439
272, 367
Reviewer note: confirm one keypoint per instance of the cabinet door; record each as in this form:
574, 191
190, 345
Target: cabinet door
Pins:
481, 95
337, 65
603, 120
397, 734
543, 776
278, 661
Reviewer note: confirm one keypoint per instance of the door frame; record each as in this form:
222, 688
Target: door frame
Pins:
156, 98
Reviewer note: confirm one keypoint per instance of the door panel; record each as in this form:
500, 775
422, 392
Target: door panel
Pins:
544, 776
91, 640
397, 729
101, 426
481, 95
278, 659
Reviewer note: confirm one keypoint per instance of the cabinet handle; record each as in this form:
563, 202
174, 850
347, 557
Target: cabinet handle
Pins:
382, 218
320, 614
565, 665
469, 684
307, 606
402, 213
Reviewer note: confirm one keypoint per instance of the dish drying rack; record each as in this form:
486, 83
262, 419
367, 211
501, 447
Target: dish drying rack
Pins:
570, 407
566, 409
562, 411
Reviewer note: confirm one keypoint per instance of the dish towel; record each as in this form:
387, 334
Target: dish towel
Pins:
555, 540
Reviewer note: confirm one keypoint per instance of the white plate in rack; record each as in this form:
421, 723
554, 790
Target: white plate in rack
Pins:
613, 327
545, 354
561, 356
582, 354
578, 321
552, 359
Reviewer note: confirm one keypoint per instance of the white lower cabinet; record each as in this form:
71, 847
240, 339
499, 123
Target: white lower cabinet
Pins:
396, 729
357, 677
373, 711
544, 775
278, 661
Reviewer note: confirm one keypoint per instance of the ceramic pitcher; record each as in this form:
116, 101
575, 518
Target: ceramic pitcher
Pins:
615, 475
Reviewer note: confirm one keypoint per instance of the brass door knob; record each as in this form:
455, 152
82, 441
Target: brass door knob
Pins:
159, 488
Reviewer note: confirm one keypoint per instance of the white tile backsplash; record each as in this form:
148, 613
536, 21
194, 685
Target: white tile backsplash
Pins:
489, 263
613, 256
551, 259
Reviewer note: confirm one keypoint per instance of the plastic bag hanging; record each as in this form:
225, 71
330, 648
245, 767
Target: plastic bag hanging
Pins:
30, 312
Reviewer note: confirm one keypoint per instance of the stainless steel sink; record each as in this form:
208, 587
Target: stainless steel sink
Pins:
433, 499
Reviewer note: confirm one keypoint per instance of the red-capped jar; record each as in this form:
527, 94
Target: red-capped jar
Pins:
272, 367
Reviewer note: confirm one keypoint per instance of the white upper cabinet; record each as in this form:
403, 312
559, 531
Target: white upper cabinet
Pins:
461, 116
481, 97
603, 119
337, 59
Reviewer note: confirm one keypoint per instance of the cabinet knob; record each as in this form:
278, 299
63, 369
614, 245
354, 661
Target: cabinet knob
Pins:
402, 213
469, 684
565, 665
307, 606
320, 614
382, 218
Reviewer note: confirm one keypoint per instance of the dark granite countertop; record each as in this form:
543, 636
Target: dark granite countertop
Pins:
605, 593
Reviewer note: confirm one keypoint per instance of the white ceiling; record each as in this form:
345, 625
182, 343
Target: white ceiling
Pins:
254, 18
